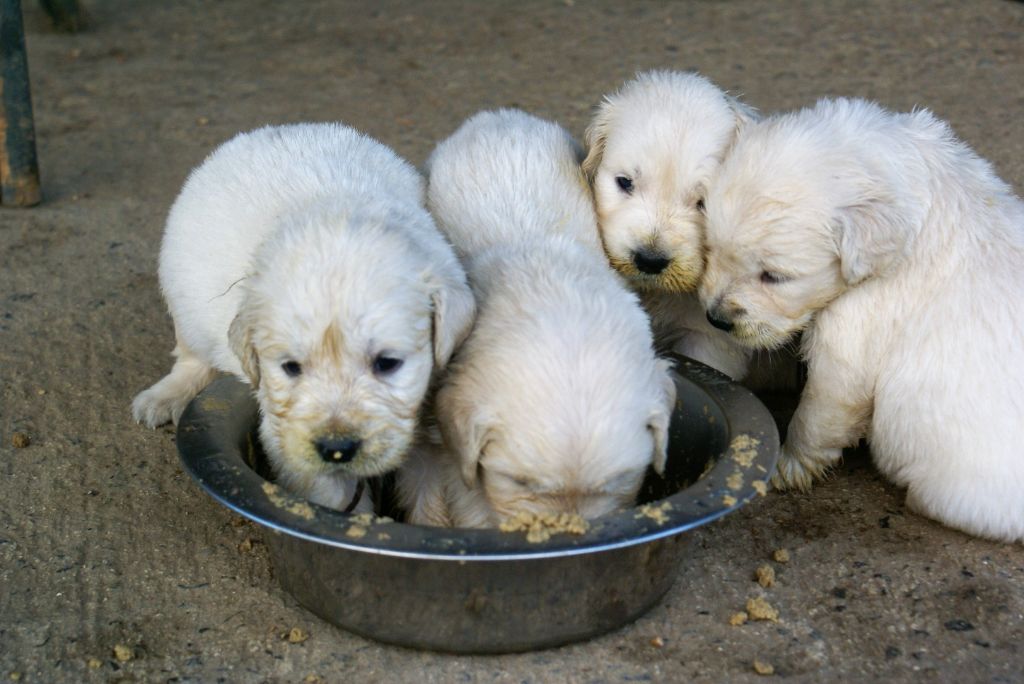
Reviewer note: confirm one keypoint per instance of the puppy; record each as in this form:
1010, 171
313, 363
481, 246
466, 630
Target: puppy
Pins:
897, 251
556, 402
652, 148
300, 259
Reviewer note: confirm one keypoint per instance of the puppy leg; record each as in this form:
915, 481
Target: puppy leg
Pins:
166, 400
827, 419
421, 491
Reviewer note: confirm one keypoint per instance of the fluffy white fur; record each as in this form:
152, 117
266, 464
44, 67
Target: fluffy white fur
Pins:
662, 136
309, 245
899, 253
556, 401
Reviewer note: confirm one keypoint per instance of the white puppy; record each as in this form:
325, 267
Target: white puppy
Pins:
899, 254
300, 259
652, 148
556, 402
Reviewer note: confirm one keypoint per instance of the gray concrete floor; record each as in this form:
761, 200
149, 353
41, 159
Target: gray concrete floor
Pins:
105, 542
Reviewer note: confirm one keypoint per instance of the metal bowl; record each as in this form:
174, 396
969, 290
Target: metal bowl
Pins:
487, 591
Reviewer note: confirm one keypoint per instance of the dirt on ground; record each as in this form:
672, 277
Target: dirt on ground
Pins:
115, 566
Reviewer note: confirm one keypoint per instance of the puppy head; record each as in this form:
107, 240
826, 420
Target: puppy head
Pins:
806, 206
341, 324
652, 148
561, 435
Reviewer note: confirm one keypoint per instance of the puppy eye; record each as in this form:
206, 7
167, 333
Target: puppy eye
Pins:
625, 184
771, 278
292, 369
385, 365
700, 205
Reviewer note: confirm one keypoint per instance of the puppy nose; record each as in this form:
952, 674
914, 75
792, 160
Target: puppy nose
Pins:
715, 319
650, 262
338, 449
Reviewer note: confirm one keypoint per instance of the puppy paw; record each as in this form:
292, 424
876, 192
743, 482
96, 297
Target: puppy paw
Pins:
799, 469
155, 407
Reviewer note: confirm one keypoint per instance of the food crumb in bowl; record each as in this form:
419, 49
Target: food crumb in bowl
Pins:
780, 556
735, 481
297, 508
740, 618
744, 449
763, 668
760, 486
540, 526
356, 532
729, 500
759, 609
655, 513
369, 519
765, 576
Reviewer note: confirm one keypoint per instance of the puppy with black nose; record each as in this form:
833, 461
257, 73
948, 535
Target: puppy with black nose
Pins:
898, 253
653, 147
301, 259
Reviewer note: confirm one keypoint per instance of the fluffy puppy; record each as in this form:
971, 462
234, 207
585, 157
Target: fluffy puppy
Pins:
300, 259
652, 149
556, 401
897, 251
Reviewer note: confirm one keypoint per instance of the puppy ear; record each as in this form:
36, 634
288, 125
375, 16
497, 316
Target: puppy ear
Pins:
744, 113
240, 341
661, 417
594, 139
874, 232
465, 428
454, 313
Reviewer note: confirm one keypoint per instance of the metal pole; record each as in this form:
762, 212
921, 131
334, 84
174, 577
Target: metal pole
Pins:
19, 169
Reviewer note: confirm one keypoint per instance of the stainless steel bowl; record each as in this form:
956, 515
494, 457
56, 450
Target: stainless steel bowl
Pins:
487, 591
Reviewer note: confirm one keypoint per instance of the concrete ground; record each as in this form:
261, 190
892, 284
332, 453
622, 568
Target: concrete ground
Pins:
107, 549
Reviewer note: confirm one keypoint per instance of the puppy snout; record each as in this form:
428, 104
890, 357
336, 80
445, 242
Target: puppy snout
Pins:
718, 319
649, 261
338, 449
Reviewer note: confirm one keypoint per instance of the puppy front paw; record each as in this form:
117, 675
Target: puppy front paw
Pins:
799, 469
153, 408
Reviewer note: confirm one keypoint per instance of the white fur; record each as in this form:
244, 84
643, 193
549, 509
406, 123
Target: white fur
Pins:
556, 401
666, 132
309, 243
899, 253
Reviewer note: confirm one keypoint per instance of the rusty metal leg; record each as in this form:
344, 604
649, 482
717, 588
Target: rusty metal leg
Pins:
66, 15
19, 170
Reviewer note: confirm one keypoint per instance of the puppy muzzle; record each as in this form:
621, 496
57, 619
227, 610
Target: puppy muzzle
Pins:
335, 449
650, 262
717, 318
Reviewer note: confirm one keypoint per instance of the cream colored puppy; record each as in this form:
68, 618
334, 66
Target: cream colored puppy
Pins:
652, 149
300, 259
556, 402
899, 253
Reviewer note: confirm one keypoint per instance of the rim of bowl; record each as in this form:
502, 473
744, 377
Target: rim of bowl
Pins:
215, 425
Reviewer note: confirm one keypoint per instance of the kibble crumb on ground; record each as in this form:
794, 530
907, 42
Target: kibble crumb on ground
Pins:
94, 663
19, 440
296, 635
740, 618
123, 653
763, 668
765, 576
780, 556
759, 609
657, 642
